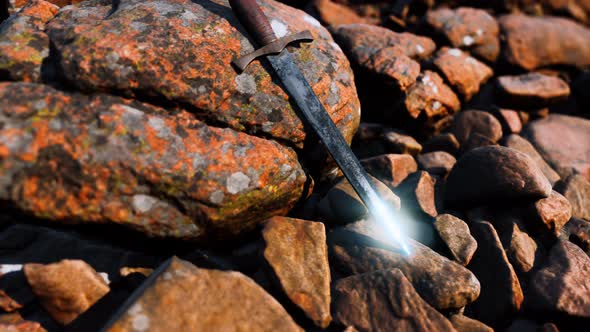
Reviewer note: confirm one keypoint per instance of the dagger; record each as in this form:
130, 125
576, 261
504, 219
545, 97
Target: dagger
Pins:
298, 88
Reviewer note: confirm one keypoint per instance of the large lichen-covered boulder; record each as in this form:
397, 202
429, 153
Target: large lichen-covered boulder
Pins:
188, 148
180, 51
74, 158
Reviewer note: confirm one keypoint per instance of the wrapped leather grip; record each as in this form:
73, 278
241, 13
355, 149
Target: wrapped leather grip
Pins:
254, 20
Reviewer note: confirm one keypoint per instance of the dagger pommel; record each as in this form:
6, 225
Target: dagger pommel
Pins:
254, 20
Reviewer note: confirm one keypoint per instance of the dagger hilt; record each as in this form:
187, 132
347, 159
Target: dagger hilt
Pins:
256, 23
253, 19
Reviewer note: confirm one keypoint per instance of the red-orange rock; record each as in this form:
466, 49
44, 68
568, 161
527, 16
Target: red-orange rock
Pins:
23, 44
495, 174
332, 13
576, 189
183, 297
382, 54
441, 282
518, 143
15, 323
509, 119
465, 324
577, 231
436, 163
384, 301
96, 159
446, 142
363, 40
431, 98
533, 42
468, 28
466, 124
392, 169
455, 234
501, 295
532, 90
563, 142
180, 52
550, 214
417, 193
398, 142
17, 4
297, 255
562, 285
65, 289
7, 303
463, 72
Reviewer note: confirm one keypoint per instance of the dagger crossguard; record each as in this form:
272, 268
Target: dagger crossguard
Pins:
274, 47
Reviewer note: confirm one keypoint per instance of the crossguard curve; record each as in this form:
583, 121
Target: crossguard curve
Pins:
275, 47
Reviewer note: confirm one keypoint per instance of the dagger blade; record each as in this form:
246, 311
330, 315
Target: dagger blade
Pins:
299, 89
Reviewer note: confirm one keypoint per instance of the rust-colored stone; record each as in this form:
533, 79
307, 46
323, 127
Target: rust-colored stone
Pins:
533, 42
364, 40
382, 54
384, 301
442, 142
23, 44
455, 234
96, 159
465, 324
392, 169
551, 213
501, 295
7, 303
438, 163
532, 90
510, 120
398, 142
463, 72
562, 140
65, 289
297, 255
576, 189
333, 14
392, 65
198, 299
520, 248
578, 232
468, 28
125, 271
518, 143
562, 285
15, 323
467, 124
431, 98
495, 174
441, 282
417, 193
180, 52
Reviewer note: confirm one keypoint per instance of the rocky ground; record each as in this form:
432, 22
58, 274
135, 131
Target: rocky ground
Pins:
147, 186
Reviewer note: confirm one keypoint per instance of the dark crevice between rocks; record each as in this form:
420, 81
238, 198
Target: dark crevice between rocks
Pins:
50, 73
15, 285
114, 7
118, 237
3, 10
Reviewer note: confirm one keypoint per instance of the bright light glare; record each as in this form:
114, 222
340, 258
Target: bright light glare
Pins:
384, 215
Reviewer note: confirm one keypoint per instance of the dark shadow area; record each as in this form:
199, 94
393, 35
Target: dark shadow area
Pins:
15, 285
3, 10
